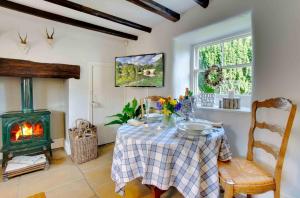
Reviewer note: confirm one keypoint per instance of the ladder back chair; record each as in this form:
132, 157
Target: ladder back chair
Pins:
246, 176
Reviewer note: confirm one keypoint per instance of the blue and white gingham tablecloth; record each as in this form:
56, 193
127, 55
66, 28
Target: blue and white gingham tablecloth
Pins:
164, 159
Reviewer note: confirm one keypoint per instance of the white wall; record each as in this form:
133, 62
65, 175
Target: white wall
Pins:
276, 42
276, 48
72, 46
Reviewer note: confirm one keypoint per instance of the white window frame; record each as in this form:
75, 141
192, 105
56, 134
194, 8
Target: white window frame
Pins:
196, 70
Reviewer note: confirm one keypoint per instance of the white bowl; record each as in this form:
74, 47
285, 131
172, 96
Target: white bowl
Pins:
195, 128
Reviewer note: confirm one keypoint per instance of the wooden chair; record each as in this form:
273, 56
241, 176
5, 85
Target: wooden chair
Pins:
244, 175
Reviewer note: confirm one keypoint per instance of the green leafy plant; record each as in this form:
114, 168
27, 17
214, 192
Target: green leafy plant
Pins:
206, 89
131, 110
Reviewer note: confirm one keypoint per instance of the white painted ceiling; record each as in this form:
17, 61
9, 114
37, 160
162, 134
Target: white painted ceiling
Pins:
120, 8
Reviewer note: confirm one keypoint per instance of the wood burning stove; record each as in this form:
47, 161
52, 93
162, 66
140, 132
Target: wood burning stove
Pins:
27, 131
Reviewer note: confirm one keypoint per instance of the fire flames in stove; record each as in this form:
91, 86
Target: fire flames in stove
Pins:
26, 131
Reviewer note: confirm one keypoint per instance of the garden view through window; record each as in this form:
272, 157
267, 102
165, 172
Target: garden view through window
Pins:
235, 57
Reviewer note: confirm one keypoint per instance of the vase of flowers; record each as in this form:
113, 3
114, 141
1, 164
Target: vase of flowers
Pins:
187, 102
168, 121
169, 107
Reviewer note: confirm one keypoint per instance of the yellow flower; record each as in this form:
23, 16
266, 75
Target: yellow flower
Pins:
162, 101
173, 102
166, 111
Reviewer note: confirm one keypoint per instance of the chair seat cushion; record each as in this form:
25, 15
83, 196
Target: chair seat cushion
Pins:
245, 174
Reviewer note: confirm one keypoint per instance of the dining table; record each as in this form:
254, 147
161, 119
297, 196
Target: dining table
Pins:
166, 157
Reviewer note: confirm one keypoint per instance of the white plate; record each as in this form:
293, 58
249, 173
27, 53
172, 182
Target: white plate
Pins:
194, 128
134, 122
190, 135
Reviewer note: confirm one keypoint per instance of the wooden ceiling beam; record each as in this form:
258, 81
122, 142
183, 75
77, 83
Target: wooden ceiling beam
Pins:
157, 8
97, 13
63, 19
203, 3
25, 68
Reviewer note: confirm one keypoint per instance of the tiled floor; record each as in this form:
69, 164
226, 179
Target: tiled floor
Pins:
64, 179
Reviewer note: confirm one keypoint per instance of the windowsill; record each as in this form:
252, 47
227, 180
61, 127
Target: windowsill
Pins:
215, 108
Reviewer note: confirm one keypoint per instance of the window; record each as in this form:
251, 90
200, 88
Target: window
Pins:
235, 57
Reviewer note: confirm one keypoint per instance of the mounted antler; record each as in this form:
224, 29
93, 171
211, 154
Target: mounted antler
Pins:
23, 41
50, 36
24, 46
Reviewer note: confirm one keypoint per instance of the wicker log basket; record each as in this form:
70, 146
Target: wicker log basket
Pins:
83, 140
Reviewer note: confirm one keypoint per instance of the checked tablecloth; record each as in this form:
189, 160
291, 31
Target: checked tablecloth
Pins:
168, 159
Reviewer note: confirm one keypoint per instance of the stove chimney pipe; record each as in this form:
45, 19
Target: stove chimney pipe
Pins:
26, 93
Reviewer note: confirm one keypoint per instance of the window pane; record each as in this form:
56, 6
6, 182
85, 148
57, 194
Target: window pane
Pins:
238, 79
238, 51
210, 55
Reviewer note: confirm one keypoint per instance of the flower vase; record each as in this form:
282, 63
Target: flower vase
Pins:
187, 108
169, 121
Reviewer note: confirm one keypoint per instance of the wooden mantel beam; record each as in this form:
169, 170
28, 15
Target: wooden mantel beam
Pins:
97, 13
63, 19
157, 8
203, 3
24, 68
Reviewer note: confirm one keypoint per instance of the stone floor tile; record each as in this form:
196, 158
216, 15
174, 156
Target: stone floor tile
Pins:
66, 179
77, 189
10, 188
96, 163
48, 180
106, 190
99, 175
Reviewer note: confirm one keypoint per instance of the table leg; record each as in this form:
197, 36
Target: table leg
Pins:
156, 192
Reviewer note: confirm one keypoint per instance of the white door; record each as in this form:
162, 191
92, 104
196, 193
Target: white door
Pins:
106, 100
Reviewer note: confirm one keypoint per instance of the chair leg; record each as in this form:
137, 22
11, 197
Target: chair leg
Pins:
156, 192
228, 190
277, 193
249, 196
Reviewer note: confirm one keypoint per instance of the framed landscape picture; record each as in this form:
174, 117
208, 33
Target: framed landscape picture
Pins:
145, 70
